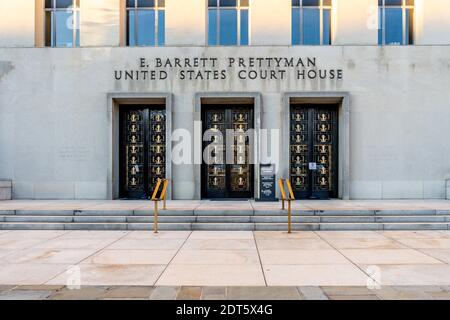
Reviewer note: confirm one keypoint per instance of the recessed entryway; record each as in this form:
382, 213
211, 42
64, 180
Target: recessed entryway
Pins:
229, 153
141, 150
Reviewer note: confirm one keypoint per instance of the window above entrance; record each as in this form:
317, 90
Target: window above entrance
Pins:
228, 22
396, 22
62, 23
145, 23
311, 22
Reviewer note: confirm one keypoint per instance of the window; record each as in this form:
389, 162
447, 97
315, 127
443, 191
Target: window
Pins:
396, 22
62, 23
311, 22
228, 22
146, 23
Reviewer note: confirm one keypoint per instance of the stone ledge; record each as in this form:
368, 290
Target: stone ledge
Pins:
448, 190
5, 183
5, 189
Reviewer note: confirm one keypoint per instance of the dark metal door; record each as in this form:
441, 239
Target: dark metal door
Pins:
227, 171
314, 151
142, 150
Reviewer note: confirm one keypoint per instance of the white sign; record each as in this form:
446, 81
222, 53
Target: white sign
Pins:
312, 166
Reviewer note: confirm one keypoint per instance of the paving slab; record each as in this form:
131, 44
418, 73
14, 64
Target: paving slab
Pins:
32, 234
426, 243
189, 293
284, 235
44, 255
29, 274
214, 293
226, 235
24, 295
147, 244
350, 234
412, 234
83, 293
210, 257
364, 243
347, 291
89, 234
212, 275
18, 244
293, 257
264, 293
312, 293
165, 293
355, 298
131, 257
81, 243
113, 275
292, 244
439, 254
41, 287
390, 293
159, 235
129, 292
219, 244
414, 275
314, 275
388, 256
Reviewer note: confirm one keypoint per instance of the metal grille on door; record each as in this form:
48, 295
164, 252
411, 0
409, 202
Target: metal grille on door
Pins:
143, 150
225, 178
313, 151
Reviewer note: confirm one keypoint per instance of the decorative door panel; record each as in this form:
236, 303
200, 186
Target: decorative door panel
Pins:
157, 146
313, 151
142, 150
215, 159
227, 172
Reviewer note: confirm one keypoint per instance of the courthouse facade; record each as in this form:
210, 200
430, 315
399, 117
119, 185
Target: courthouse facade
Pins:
347, 99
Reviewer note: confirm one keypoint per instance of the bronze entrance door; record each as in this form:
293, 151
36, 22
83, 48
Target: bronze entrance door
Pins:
227, 170
142, 149
314, 151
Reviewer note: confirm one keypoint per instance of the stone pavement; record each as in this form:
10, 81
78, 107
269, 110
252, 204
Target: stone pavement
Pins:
223, 293
227, 259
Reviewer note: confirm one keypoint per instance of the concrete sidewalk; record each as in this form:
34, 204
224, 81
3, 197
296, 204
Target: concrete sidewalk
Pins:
204, 258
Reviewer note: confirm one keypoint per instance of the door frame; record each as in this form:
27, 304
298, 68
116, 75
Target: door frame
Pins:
117, 100
231, 98
342, 99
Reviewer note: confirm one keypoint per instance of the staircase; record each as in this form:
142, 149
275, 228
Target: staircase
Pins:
268, 220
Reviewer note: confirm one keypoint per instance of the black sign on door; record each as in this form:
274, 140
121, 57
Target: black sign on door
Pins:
314, 151
227, 171
142, 149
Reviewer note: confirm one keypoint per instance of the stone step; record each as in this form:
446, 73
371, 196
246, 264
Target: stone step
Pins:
213, 212
226, 219
43, 212
51, 219
223, 212
221, 226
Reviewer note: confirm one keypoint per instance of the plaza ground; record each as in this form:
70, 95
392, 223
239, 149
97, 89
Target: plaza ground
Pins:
225, 265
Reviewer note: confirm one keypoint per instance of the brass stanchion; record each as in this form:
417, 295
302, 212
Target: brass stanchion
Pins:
291, 198
283, 193
155, 211
164, 193
156, 199
289, 217
155, 218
